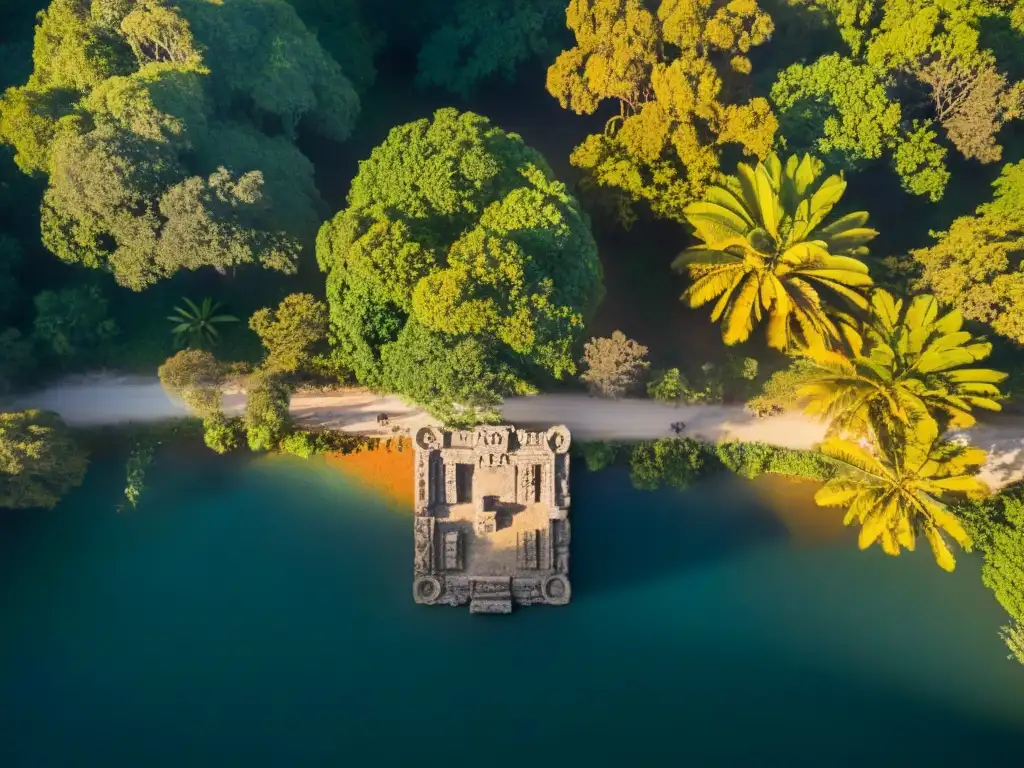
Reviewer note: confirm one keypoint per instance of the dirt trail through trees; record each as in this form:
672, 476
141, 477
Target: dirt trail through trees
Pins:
104, 399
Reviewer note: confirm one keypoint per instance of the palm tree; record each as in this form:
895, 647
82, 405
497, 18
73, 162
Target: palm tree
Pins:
898, 492
195, 325
765, 253
911, 369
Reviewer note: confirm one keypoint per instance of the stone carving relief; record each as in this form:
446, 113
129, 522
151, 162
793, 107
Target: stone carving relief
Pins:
562, 534
547, 485
527, 591
562, 480
423, 557
556, 589
528, 439
451, 489
429, 438
423, 479
426, 589
453, 551
514, 469
558, 439
493, 460
524, 483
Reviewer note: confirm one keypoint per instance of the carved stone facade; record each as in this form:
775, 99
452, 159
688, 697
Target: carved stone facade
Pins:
491, 526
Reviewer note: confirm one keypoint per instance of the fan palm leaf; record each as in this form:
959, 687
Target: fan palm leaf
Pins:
915, 366
765, 253
902, 491
196, 324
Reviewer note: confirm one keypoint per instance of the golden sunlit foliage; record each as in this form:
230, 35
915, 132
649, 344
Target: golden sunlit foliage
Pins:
911, 372
898, 492
975, 264
665, 69
766, 254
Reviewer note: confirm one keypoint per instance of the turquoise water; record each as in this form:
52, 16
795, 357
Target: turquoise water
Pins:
260, 614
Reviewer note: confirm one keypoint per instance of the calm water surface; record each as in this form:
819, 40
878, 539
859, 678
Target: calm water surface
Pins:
260, 614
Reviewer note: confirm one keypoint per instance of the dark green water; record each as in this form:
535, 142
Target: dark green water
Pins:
260, 615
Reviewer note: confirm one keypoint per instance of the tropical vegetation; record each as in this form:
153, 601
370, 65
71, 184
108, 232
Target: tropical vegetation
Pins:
154, 149
913, 368
900, 491
674, 70
975, 265
132, 115
997, 527
39, 460
908, 74
765, 253
613, 366
196, 324
461, 269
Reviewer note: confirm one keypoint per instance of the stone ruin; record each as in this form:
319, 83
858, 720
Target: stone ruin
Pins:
492, 525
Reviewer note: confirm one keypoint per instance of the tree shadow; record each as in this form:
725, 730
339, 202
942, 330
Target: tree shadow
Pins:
623, 537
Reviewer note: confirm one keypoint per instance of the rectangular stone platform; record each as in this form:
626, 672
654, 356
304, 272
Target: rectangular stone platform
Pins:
491, 526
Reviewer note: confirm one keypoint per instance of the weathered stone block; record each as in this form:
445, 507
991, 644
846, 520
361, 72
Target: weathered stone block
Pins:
453, 550
523, 477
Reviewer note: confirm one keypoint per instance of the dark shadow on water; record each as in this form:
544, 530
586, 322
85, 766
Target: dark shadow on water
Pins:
269, 621
623, 537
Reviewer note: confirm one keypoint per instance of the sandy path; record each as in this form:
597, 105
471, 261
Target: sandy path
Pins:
104, 399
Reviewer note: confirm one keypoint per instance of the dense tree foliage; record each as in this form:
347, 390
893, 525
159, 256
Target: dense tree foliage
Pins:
197, 377
343, 31
997, 527
461, 269
220, 433
668, 70
675, 463
976, 265
291, 332
900, 491
910, 70
39, 461
915, 367
667, 386
266, 410
766, 252
70, 322
478, 40
165, 132
614, 366
778, 393
163, 136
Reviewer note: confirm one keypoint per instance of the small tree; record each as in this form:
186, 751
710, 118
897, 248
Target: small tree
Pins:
1014, 637
266, 411
676, 463
614, 365
220, 433
599, 454
301, 444
39, 462
196, 324
195, 376
779, 391
667, 386
291, 332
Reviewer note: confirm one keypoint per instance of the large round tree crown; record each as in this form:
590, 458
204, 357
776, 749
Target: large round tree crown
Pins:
456, 232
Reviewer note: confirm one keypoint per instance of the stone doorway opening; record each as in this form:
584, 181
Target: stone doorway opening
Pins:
463, 483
